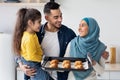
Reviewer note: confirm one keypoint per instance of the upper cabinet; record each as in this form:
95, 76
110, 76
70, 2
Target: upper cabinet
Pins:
24, 1
22, 4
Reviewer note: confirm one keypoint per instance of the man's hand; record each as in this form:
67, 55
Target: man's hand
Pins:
27, 70
105, 55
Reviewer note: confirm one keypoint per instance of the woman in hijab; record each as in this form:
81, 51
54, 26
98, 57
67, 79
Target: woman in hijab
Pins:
88, 42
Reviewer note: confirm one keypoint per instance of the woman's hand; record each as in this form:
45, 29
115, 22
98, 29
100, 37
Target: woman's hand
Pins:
93, 62
27, 70
105, 55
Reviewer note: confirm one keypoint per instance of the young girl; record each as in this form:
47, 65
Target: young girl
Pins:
88, 42
25, 41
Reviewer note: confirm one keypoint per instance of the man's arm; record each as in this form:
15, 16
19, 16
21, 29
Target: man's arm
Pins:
25, 68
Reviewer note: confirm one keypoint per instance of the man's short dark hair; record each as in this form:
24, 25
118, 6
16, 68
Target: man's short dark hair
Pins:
50, 6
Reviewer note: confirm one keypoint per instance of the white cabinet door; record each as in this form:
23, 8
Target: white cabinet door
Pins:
114, 75
104, 76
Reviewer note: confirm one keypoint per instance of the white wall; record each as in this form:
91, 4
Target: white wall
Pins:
106, 12
8, 16
7, 63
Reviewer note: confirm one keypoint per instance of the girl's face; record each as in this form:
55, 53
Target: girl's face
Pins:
34, 26
83, 29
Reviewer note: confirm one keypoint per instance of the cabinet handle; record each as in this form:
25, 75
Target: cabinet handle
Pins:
98, 75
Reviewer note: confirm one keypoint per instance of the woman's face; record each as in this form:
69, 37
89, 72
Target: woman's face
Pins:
83, 29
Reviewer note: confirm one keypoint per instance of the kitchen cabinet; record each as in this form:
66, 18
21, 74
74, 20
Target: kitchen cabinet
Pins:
22, 4
23, 1
104, 76
114, 75
112, 72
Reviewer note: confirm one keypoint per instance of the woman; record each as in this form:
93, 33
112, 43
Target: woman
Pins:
88, 42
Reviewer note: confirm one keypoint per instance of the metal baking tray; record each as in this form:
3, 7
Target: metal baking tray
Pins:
46, 63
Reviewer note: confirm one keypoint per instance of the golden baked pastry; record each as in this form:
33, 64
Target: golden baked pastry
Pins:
54, 61
66, 61
66, 64
78, 65
53, 65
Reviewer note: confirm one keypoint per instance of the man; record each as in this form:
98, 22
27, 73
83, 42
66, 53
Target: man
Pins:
53, 37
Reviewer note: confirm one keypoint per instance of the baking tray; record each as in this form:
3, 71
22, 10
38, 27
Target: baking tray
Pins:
46, 63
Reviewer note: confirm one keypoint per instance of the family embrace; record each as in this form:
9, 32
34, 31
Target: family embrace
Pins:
32, 40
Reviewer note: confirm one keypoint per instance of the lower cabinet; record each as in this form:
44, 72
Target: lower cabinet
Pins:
114, 75
104, 76
109, 75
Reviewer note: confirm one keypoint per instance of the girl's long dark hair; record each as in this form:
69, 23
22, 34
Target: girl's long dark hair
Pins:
24, 15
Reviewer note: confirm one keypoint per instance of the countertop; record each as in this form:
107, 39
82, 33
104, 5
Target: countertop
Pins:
112, 67
108, 67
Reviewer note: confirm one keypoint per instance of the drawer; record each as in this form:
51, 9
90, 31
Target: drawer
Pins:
104, 76
114, 75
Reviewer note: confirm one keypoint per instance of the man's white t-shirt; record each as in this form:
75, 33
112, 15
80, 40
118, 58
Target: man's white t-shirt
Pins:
50, 46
